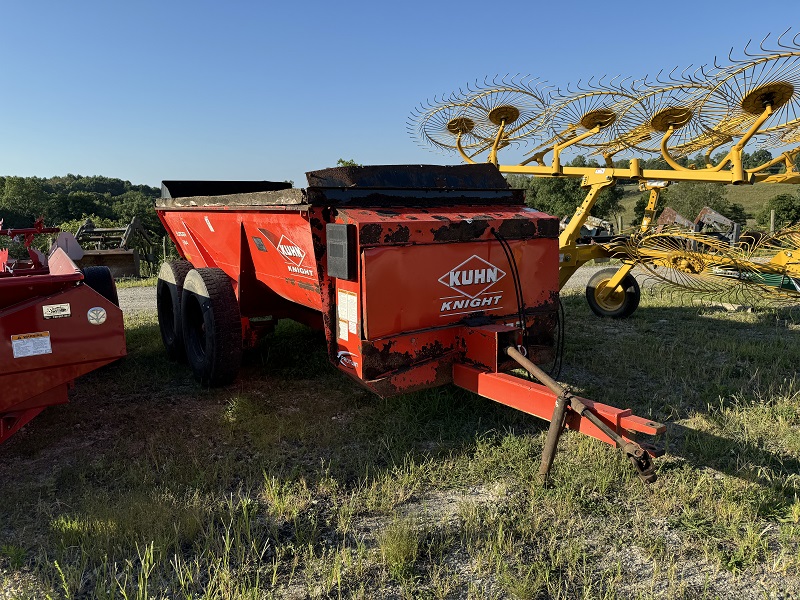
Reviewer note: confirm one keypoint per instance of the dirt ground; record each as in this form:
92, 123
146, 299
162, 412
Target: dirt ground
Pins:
720, 522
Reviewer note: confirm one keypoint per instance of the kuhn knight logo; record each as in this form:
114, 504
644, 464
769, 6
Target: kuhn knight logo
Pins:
291, 251
293, 254
473, 280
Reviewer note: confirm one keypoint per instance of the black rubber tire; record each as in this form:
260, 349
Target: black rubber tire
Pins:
99, 278
617, 306
212, 327
169, 289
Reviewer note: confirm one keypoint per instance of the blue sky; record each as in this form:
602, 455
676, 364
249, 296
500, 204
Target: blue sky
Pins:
146, 91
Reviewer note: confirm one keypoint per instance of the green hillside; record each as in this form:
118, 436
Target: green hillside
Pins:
752, 197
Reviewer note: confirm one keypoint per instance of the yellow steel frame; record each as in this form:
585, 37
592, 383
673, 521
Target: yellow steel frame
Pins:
574, 255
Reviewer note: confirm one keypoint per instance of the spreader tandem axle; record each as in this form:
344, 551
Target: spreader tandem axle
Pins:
420, 276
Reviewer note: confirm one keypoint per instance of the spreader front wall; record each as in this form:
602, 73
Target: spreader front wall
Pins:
409, 288
426, 277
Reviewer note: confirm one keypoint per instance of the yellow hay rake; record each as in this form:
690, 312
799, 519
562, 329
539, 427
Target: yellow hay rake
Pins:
754, 100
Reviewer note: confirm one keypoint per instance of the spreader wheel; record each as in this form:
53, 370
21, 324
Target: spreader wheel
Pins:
620, 303
212, 326
99, 278
169, 289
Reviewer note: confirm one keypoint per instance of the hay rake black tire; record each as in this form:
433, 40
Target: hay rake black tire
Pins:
618, 305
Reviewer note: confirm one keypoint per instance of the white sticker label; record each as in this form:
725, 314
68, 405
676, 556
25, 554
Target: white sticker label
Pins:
347, 310
31, 344
208, 222
352, 308
56, 311
343, 330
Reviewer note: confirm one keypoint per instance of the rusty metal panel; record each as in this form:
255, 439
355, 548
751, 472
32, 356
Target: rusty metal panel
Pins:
443, 225
477, 177
669, 216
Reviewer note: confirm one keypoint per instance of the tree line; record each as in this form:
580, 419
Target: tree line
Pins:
65, 201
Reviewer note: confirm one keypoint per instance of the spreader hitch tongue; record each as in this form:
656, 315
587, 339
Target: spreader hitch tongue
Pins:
640, 458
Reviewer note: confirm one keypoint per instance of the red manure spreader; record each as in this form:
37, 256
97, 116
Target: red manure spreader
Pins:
56, 323
419, 276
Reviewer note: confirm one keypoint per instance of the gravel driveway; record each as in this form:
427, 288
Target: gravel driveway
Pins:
137, 299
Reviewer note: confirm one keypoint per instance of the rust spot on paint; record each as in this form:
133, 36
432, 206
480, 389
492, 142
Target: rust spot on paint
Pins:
380, 359
400, 236
517, 229
370, 234
460, 231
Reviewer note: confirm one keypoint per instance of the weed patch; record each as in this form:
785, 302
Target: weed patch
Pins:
294, 482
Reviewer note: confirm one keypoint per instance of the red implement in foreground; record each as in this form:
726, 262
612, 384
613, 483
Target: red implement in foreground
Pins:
419, 275
54, 327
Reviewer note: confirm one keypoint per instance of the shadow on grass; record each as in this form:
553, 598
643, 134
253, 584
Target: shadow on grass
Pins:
144, 455
724, 382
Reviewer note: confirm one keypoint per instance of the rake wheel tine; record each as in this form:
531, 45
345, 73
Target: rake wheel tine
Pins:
672, 74
746, 53
780, 37
761, 45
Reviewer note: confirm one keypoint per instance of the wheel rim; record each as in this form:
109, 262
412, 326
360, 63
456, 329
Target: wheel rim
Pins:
612, 301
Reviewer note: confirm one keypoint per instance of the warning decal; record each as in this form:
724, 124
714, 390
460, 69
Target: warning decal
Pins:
31, 344
347, 309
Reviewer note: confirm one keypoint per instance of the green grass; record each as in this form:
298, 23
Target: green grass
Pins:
295, 482
132, 282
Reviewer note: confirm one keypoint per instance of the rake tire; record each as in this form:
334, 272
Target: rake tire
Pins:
212, 327
618, 305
